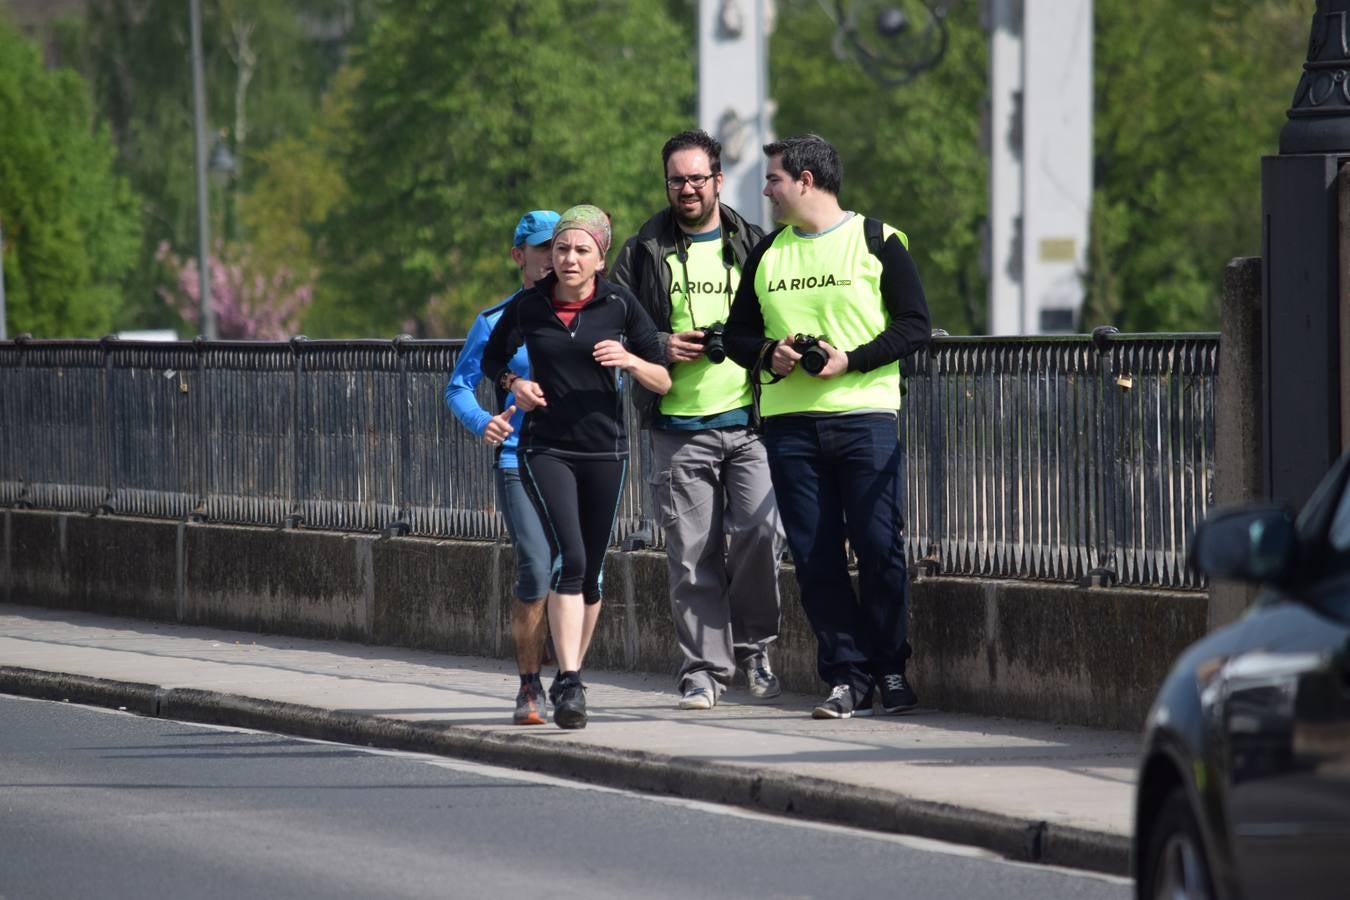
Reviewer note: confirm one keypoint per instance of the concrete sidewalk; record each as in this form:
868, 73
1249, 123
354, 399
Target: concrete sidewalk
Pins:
1030, 791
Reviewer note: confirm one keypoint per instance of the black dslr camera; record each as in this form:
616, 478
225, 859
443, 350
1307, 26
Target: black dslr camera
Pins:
714, 342
814, 356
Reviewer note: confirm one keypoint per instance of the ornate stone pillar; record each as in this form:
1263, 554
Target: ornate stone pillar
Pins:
1305, 199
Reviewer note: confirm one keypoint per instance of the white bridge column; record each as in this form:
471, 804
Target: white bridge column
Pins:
1005, 167
733, 90
1040, 163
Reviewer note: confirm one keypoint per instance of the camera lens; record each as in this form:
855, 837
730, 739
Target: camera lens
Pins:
814, 356
813, 360
713, 345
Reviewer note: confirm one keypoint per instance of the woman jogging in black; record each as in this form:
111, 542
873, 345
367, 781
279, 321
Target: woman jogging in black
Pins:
581, 331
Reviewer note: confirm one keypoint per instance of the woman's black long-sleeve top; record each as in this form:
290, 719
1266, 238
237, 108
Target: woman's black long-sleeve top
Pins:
585, 415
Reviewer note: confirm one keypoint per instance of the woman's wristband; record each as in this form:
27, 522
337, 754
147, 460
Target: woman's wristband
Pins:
507, 380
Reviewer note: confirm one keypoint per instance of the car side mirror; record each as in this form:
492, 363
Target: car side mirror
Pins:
1249, 543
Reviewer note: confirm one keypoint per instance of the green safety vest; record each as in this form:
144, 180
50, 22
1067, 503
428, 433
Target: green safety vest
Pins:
828, 286
698, 387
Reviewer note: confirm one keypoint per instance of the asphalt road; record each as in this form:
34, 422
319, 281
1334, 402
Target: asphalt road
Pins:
97, 803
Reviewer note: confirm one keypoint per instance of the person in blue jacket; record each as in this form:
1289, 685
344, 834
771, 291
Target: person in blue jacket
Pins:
532, 252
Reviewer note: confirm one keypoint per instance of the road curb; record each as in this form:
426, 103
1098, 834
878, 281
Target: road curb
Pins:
764, 791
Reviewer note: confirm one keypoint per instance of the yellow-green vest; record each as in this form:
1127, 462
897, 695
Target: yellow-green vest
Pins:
828, 286
699, 387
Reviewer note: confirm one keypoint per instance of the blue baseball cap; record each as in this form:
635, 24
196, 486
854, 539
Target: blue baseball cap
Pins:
535, 227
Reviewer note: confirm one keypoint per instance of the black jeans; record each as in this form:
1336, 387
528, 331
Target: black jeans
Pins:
836, 478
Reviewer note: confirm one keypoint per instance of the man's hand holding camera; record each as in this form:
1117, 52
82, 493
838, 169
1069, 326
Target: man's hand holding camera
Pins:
826, 359
710, 341
684, 346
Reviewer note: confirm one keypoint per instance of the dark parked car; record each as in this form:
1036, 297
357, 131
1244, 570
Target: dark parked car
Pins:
1244, 787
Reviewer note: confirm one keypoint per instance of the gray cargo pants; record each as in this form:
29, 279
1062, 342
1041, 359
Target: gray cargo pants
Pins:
714, 500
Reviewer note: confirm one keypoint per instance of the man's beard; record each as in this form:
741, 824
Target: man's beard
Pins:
699, 221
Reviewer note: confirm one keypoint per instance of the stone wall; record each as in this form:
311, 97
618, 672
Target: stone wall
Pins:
1054, 652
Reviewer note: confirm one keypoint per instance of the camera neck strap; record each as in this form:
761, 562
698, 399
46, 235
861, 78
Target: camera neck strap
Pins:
763, 363
682, 245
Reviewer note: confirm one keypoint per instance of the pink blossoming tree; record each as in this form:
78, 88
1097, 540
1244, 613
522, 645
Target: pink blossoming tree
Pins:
249, 304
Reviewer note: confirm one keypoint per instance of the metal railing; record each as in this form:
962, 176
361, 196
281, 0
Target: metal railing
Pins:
1067, 458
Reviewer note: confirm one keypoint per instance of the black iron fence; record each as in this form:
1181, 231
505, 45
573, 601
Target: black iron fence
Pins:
1065, 458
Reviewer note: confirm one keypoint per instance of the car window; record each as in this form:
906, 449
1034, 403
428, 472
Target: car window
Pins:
1326, 504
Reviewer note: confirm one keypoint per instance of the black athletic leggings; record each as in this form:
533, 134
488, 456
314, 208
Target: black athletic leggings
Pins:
578, 500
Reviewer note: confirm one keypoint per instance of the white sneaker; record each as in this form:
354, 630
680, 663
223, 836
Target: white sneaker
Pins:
763, 683
697, 698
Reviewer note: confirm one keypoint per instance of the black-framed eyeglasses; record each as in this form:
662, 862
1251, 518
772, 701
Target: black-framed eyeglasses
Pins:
677, 182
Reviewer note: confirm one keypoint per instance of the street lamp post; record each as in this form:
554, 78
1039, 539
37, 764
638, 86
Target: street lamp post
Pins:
903, 48
208, 318
225, 167
734, 105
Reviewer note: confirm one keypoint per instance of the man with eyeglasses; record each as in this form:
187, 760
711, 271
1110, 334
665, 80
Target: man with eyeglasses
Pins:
710, 474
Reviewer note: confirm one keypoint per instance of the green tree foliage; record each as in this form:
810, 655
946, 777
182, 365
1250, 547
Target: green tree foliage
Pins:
297, 184
396, 183
266, 65
469, 113
1189, 97
70, 223
911, 154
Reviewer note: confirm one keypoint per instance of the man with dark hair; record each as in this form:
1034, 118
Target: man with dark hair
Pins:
807, 153
829, 280
710, 476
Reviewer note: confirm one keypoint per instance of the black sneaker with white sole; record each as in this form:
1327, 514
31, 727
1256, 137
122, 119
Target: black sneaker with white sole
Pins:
896, 694
839, 705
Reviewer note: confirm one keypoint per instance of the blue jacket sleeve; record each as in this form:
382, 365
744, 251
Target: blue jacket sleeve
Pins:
503, 343
459, 393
